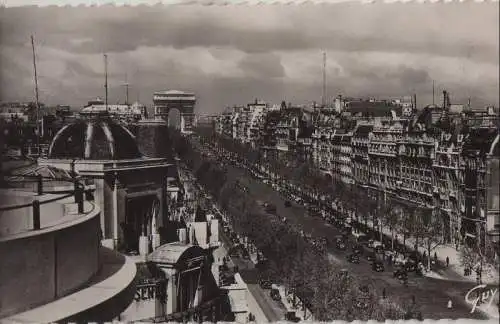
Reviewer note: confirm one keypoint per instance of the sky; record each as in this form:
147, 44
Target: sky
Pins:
232, 55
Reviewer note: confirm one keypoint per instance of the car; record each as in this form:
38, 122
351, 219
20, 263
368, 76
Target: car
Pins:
341, 245
347, 230
410, 266
353, 258
275, 294
357, 249
374, 244
344, 272
370, 256
290, 316
378, 266
271, 209
265, 284
400, 273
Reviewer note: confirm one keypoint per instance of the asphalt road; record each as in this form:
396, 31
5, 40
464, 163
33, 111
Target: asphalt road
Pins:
431, 294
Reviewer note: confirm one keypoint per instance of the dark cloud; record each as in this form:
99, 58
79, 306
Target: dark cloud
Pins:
392, 28
232, 54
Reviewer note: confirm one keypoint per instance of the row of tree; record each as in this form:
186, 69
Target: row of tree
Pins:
329, 292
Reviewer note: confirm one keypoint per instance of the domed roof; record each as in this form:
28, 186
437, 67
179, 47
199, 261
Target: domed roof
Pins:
94, 139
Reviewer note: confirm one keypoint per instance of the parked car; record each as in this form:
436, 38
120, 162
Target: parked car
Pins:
353, 258
275, 294
370, 256
290, 316
357, 249
374, 244
341, 243
346, 229
378, 266
410, 266
400, 273
271, 209
265, 284
245, 255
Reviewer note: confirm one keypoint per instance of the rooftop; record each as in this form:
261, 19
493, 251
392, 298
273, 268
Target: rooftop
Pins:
94, 139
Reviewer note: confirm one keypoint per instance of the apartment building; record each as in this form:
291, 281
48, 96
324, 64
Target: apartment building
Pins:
416, 152
479, 148
440, 157
448, 177
383, 156
359, 144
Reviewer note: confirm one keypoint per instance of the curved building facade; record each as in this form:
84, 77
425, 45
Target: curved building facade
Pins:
52, 259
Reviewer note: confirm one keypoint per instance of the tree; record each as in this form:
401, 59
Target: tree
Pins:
392, 219
429, 228
469, 257
407, 224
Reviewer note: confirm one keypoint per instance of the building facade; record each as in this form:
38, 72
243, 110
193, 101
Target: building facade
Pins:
418, 158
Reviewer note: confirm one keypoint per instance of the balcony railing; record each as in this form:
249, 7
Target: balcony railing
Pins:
74, 188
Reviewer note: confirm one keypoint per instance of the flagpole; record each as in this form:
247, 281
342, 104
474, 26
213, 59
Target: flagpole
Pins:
36, 98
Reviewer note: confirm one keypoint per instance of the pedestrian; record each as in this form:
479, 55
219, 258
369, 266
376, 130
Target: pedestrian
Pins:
413, 299
435, 257
447, 261
384, 296
450, 304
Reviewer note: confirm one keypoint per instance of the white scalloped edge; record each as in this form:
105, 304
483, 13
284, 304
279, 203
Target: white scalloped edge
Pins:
89, 3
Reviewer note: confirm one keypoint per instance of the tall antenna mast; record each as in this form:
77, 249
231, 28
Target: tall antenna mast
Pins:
136, 78
323, 101
433, 92
36, 98
126, 89
106, 80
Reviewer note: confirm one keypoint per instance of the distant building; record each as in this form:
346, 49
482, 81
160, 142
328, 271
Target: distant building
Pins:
132, 112
362, 108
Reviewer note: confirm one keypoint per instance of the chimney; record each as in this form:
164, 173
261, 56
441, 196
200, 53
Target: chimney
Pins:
181, 232
446, 100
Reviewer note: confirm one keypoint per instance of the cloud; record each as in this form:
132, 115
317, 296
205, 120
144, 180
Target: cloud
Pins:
267, 65
231, 54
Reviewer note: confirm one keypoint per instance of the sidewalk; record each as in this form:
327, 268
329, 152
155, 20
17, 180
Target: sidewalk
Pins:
455, 271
